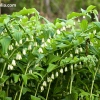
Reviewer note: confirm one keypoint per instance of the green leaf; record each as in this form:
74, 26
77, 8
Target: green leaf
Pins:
62, 45
24, 77
17, 36
90, 8
24, 19
34, 98
6, 20
65, 61
73, 96
38, 74
84, 25
2, 95
97, 24
25, 11
32, 76
38, 68
52, 58
51, 67
26, 90
3, 80
8, 98
5, 42
16, 77
74, 15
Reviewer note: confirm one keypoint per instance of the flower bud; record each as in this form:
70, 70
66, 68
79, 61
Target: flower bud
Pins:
44, 83
35, 44
80, 49
61, 70
76, 51
83, 17
48, 40
29, 47
71, 66
80, 63
66, 69
61, 52
94, 32
75, 65
20, 42
58, 31
74, 23
71, 55
30, 71
78, 20
43, 40
42, 88
56, 74
63, 28
24, 51
16, 44
52, 76
27, 39
40, 50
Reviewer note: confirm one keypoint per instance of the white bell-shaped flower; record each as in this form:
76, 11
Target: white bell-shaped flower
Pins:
44, 83
42, 88
13, 62
18, 56
81, 50
16, 44
20, 42
35, 44
30, 47
78, 20
40, 50
10, 47
48, 40
76, 51
10, 67
66, 69
58, 31
56, 74
30, 71
43, 40
24, 51
71, 66
94, 31
61, 70
52, 76
49, 79
71, 55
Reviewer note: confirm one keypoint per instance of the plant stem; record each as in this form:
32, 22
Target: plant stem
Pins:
93, 83
94, 79
23, 82
37, 89
71, 80
39, 84
3, 70
21, 91
15, 95
48, 91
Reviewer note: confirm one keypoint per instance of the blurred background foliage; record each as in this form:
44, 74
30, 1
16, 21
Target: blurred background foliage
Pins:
51, 9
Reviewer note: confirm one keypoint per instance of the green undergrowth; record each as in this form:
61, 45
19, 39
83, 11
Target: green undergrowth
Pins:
41, 60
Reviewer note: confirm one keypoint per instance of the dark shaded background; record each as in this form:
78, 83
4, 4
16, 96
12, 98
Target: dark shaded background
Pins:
50, 9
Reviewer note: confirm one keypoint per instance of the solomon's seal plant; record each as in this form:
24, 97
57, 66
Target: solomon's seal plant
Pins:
40, 60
